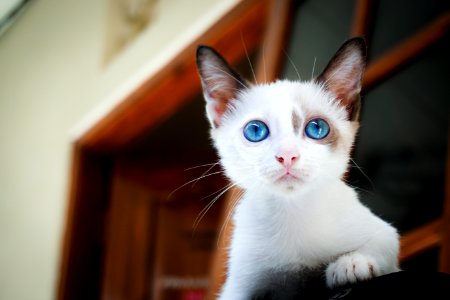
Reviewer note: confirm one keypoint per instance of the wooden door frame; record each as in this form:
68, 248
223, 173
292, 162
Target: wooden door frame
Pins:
153, 102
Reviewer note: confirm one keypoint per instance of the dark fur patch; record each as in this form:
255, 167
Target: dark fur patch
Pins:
296, 121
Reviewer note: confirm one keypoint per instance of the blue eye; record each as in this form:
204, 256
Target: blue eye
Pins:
317, 129
256, 131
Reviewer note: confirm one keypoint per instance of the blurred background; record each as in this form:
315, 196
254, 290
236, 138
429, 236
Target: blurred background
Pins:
101, 120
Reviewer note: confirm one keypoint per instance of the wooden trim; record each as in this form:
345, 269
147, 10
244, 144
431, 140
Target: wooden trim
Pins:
444, 260
405, 52
80, 266
421, 239
362, 18
130, 230
156, 99
271, 58
69, 229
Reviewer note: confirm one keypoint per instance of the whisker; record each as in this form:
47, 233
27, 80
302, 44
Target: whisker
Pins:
207, 208
363, 173
201, 166
193, 180
264, 63
226, 73
218, 191
248, 58
231, 208
356, 187
314, 67
293, 65
204, 173
349, 184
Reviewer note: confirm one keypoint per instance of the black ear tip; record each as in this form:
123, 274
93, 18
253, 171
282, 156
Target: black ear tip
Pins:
357, 42
206, 51
201, 49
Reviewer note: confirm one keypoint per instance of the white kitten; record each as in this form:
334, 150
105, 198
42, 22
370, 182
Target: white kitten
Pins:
287, 145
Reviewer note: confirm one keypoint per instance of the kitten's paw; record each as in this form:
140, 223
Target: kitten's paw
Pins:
351, 268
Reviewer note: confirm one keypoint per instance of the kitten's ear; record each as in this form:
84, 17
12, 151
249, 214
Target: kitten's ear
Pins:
220, 82
343, 75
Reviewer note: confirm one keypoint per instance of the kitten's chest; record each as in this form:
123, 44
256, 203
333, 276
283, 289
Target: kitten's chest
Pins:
288, 235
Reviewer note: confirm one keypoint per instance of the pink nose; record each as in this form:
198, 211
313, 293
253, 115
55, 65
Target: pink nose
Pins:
287, 159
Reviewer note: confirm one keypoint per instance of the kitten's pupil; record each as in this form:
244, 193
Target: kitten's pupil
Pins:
318, 129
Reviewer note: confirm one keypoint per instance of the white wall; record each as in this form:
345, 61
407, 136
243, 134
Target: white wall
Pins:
51, 79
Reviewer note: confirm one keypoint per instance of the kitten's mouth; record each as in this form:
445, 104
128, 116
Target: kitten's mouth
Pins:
288, 177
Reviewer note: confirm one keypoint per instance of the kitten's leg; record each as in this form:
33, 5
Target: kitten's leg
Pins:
242, 275
350, 268
376, 257
230, 291
236, 287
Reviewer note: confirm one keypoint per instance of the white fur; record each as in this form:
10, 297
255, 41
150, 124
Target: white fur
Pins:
293, 224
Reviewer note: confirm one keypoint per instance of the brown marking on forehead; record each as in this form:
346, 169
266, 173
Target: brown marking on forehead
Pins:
296, 121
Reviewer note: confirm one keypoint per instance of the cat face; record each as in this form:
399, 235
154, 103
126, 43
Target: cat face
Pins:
286, 137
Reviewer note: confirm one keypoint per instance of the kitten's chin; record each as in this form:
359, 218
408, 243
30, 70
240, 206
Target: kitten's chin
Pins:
287, 183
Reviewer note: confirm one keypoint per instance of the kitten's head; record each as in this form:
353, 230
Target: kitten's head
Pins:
286, 137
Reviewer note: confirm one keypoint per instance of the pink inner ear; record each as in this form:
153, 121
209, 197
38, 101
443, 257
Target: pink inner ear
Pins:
345, 94
219, 111
219, 103
216, 109
221, 84
346, 84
